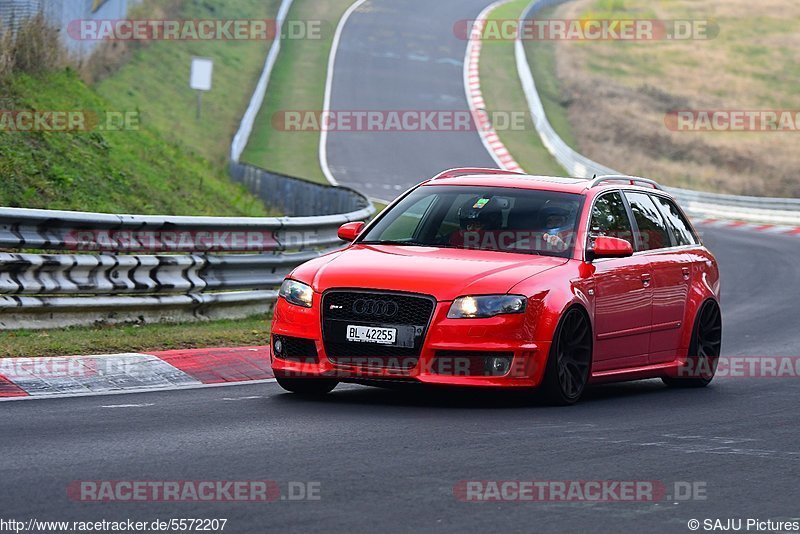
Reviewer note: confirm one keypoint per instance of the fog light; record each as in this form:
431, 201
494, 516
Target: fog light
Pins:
498, 365
278, 345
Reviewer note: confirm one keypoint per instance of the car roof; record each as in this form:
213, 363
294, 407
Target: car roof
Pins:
559, 184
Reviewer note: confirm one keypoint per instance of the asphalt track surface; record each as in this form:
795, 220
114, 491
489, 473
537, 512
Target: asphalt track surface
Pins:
402, 56
389, 460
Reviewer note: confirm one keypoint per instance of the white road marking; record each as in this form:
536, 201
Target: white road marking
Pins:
475, 97
323, 138
91, 374
128, 405
137, 390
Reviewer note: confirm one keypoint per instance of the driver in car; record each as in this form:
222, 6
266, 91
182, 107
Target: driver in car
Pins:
480, 220
557, 230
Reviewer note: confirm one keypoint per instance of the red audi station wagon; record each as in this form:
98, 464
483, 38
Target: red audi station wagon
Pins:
489, 278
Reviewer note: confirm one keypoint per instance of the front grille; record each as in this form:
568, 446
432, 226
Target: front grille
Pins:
465, 362
409, 314
296, 349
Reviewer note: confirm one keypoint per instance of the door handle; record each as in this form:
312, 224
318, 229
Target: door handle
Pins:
686, 273
646, 280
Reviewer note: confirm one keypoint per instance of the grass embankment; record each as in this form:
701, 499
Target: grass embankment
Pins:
297, 84
166, 161
128, 171
615, 94
503, 93
134, 338
155, 80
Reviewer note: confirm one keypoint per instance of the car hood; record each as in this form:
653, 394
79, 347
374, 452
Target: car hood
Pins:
444, 273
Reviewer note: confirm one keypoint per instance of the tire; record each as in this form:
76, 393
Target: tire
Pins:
307, 387
570, 360
704, 349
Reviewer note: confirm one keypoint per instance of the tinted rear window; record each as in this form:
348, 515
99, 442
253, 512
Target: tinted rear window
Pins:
653, 233
678, 225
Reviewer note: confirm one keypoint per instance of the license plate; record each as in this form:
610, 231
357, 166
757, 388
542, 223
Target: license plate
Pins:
371, 334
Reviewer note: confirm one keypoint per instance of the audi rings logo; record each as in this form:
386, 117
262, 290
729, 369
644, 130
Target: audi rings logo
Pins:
376, 308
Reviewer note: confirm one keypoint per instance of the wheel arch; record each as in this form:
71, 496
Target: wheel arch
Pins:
552, 385
556, 320
555, 306
693, 309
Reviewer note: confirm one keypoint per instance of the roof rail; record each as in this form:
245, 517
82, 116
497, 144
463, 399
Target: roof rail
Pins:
464, 171
632, 180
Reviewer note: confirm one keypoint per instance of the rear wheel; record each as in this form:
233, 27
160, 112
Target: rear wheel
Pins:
570, 360
309, 387
704, 350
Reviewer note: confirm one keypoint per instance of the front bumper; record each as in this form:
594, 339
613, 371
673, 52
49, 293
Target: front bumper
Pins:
509, 334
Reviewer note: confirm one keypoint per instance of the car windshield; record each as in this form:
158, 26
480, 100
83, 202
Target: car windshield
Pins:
483, 218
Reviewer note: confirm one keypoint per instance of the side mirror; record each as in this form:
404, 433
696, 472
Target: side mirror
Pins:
349, 231
610, 247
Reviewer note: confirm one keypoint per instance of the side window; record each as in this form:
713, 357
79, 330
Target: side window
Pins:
407, 224
678, 225
610, 218
653, 232
450, 223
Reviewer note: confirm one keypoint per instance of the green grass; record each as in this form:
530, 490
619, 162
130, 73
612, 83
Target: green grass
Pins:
129, 171
298, 83
742, 55
156, 81
503, 93
173, 163
614, 9
135, 338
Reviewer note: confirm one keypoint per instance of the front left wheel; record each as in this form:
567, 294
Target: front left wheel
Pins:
308, 387
570, 360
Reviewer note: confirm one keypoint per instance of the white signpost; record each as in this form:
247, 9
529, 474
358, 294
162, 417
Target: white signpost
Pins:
200, 78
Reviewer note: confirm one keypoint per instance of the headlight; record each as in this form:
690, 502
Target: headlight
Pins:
486, 306
297, 293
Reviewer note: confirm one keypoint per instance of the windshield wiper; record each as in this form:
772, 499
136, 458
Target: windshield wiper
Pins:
447, 245
393, 242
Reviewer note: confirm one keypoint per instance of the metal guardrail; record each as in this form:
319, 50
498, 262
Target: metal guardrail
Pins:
696, 203
107, 285
295, 197
107, 268
97, 274
248, 120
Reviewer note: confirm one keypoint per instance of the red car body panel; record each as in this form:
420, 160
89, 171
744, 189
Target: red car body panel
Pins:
641, 308
421, 268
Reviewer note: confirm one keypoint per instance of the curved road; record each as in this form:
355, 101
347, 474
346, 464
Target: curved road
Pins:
390, 459
402, 56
